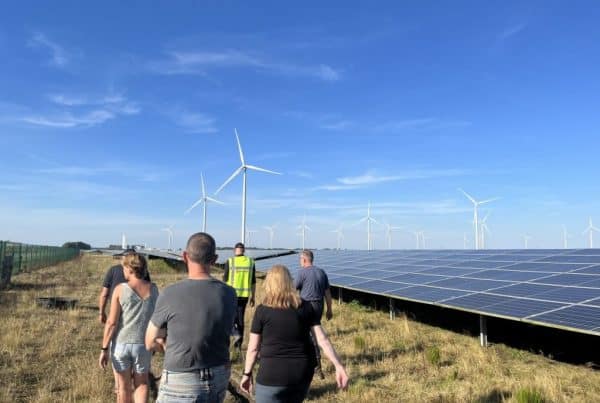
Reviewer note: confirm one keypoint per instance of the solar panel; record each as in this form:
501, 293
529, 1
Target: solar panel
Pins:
575, 316
554, 287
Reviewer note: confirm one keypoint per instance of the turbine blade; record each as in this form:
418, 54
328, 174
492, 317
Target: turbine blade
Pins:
239, 146
468, 196
489, 200
233, 175
361, 220
193, 206
255, 168
202, 181
210, 199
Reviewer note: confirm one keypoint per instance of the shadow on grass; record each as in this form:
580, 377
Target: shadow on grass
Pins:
495, 396
372, 357
317, 392
31, 286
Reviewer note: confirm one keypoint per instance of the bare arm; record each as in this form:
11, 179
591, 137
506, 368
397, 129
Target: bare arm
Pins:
102, 300
110, 325
251, 354
155, 339
329, 312
341, 376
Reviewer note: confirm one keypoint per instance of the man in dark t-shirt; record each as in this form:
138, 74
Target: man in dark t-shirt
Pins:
113, 277
197, 314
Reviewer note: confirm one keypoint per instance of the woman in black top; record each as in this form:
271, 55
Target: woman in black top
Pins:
280, 331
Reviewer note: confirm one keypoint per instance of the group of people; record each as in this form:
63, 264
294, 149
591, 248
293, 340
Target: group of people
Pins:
193, 320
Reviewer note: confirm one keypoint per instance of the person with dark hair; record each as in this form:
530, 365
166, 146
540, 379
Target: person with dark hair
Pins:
281, 333
131, 306
313, 284
197, 315
240, 273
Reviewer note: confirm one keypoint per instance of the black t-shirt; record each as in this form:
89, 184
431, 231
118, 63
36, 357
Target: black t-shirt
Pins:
114, 276
287, 356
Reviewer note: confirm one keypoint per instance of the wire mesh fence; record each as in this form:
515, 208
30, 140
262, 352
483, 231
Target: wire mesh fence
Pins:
17, 257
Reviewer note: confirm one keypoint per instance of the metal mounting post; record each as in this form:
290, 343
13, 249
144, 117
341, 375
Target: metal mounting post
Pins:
339, 296
483, 331
392, 309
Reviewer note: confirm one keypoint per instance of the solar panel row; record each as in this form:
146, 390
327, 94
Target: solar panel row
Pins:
551, 287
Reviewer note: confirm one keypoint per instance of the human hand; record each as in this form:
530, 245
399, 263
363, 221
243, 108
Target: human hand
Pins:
341, 377
251, 302
102, 317
329, 314
103, 359
246, 384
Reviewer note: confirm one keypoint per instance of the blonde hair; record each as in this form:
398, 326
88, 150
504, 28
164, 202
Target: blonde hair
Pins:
279, 289
137, 263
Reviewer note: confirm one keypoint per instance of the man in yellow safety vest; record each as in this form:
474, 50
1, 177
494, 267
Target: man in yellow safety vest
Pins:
240, 273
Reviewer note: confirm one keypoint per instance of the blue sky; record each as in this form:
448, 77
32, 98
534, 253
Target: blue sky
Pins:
108, 114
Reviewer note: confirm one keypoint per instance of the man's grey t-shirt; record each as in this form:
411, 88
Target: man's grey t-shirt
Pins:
198, 316
312, 283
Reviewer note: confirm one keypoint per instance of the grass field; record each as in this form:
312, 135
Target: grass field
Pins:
51, 356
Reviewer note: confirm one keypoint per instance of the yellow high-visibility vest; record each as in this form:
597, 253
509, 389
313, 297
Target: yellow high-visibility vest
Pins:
240, 275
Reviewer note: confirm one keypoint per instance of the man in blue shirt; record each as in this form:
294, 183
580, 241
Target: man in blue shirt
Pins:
313, 284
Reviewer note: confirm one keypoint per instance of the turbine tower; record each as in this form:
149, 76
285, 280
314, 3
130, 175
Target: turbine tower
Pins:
590, 229
476, 204
389, 229
526, 239
417, 235
303, 228
566, 237
243, 170
203, 200
169, 231
123, 241
248, 233
369, 220
484, 229
340, 236
271, 230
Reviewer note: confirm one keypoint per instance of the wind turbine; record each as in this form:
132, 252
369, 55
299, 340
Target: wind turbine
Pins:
303, 228
243, 170
271, 230
388, 233
591, 230
369, 220
423, 238
203, 200
248, 233
169, 231
476, 204
123, 241
484, 229
526, 238
340, 236
566, 237
417, 235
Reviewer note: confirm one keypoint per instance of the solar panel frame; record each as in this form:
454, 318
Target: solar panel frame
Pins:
534, 286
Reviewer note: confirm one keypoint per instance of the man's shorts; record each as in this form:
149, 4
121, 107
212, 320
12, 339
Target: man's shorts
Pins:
126, 355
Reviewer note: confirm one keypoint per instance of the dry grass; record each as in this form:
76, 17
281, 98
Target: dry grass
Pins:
51, 356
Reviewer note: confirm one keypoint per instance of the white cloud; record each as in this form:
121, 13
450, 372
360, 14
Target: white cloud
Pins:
511, 31
69, 120
59, 57
194, 122
82, 111
372, 178
428, 123
198, 62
